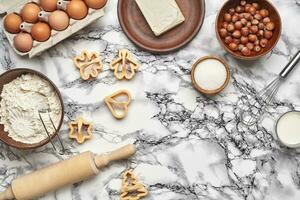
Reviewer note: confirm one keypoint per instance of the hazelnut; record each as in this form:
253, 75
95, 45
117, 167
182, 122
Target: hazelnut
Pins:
266, 20
243, 3
246, 52
239, 9
238, 25
261, 26
240, 47
270, 26
256, 5
256, 42
247, 7
227, 17
233, 46
228, 40
257, 48
268, 34
231, 11
255, 22
247, 16
260, 33
252, 38
235, 18
223, 32
263, 42
249, 24
258, 16
236, 41
244, 21
253, 29
237, 34
244, 40
252, 10
230, 27
250, 45
264, 13
225, 25
245, 31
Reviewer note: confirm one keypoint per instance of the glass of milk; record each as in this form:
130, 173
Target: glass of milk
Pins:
288, 129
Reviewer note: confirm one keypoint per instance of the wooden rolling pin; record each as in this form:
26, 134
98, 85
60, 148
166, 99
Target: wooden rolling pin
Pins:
53, 177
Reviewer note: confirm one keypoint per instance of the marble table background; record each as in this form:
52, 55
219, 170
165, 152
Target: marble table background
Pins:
190, 146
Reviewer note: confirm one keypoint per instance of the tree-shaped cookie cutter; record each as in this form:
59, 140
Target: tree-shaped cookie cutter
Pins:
132, 189
89, 64
112, 103
78, 129
124, 66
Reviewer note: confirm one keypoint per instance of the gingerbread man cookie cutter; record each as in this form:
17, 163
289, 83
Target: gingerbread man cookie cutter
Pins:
132, 189
89, 64
124, 66
80, 130
114, 103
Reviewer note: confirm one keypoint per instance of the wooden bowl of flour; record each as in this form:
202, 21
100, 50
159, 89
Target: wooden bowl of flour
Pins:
6, 78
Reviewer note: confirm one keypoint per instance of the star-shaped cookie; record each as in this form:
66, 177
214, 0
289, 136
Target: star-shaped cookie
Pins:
80, 130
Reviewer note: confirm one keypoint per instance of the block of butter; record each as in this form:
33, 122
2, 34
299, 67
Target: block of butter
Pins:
161, 15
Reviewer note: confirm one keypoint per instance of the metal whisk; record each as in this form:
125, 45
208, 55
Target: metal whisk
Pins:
254, 108
44, 111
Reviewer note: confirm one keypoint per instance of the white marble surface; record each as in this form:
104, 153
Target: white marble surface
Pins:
190, 146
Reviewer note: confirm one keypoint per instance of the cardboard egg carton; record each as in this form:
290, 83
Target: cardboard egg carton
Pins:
9, 6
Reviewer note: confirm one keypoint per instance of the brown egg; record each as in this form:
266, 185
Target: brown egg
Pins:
12, 23
95, 4
77, 9
48, 5
23, 42
30, 13
59, 20
41, 32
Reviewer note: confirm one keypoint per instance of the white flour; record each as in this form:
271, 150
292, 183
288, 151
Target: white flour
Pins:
21, 100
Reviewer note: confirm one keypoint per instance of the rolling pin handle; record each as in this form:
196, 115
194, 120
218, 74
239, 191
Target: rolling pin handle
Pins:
120, 154
7, 194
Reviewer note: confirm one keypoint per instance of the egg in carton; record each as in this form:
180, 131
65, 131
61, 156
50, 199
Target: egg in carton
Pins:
36, 25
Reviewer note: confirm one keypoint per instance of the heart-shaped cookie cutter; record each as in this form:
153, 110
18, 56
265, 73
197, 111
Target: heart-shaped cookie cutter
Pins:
111, 102
89, 64
77, 132
124, 66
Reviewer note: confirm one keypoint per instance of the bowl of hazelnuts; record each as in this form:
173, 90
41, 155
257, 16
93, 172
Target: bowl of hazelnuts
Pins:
248, 29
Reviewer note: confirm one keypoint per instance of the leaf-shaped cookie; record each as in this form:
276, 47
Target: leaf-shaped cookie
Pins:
124, 66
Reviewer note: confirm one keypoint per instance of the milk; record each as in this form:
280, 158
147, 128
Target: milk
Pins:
288, 129
210, 74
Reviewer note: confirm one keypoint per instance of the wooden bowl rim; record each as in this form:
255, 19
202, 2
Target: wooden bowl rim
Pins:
165, 50
24, 146
241, 57
216, 91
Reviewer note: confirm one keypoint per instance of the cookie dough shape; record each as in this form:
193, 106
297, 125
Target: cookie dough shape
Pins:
118, 103
125, 66
132, 189
89, 64
80, 130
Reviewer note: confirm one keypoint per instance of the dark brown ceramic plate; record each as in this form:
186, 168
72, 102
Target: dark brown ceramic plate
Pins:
7, 77
139, 32
274, 16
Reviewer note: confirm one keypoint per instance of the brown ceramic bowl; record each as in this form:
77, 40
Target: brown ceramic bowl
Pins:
274, 16
7, 77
